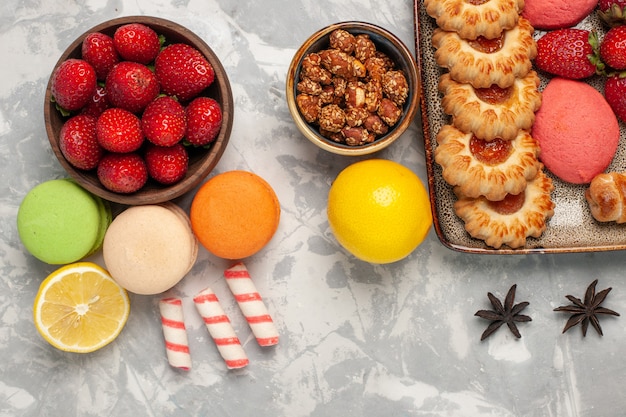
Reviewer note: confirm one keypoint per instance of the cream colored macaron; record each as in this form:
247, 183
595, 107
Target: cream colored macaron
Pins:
149, 249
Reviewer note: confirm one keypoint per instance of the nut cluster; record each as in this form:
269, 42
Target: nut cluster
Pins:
351, 91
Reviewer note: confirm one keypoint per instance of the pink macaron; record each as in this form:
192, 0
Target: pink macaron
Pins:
557, 14
576, 129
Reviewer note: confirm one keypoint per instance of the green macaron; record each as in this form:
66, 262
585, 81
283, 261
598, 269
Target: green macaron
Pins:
59, 222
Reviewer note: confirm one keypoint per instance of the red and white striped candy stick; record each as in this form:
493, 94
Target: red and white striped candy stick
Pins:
251, 304
174, 332
220, 329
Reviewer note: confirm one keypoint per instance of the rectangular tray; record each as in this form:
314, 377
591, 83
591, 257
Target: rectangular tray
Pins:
571, 229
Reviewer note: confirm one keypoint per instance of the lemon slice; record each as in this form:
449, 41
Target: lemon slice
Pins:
80, 308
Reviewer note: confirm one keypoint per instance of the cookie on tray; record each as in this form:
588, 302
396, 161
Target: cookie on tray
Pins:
512, 220
491, 169
492, 112
473, 19
484, 62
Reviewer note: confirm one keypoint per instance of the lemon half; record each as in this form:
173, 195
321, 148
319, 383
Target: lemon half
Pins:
80, 308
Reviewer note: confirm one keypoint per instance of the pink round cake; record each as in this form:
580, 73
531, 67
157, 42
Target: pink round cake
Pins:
557, 14
576, 129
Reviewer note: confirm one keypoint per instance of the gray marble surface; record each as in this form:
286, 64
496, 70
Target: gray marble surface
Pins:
356, 339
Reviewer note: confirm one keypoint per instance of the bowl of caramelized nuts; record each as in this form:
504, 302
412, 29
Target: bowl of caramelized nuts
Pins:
353, 88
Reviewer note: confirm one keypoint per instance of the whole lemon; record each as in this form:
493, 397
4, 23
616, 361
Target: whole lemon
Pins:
379, 210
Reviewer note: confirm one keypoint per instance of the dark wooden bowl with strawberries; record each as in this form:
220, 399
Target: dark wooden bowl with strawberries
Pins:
201, 159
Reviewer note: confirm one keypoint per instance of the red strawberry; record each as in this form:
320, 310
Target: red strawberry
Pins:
204, 120
615, 94
73, 84
183, 71
99, 51
119, 130
567, 52
78, 143
613, 48
99, 102
131, 86
167, 165
164, 121
137, 42
122, 172
612, 12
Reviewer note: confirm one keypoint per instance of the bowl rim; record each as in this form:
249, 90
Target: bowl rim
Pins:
411, 106
209, 161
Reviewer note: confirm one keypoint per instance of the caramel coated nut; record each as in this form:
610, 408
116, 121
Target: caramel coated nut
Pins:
376, 67
355, 136
334, 136
309, 106
342, 40
329, 95
364, 48
356, 116
312, 69
337, 62
308, 86
332, 118
375, 124
373, 95
389, 112
355, 94
395, 86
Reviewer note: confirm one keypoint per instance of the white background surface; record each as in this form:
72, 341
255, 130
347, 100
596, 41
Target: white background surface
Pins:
356, 339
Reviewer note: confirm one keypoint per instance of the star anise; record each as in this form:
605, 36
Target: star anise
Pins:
587, 312
507, 313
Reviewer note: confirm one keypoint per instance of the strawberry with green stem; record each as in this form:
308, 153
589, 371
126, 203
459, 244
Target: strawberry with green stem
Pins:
73, 84
612, 12
570, 53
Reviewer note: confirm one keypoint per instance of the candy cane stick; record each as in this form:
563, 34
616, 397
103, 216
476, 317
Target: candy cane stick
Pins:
174, 332
220, 329
251, 304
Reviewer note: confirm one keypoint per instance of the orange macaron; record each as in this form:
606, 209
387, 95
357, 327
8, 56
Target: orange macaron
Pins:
235, 214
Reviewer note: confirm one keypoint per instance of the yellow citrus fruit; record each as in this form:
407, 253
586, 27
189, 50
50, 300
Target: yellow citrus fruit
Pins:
379, 210
80, 308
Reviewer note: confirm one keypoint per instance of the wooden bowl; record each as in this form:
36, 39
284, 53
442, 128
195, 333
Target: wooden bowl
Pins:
385, 42
201, 161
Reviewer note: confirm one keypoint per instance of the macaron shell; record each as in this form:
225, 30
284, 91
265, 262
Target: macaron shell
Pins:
149, 249
576, 129
235, 214
557, 14
106, 217
184, 218
58, 221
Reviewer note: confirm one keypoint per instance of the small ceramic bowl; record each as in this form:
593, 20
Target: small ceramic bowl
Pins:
385, 42
201, 161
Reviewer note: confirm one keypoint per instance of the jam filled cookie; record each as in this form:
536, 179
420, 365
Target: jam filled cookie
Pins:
511, 220
492, 112
474, 18
491, 169
484, 62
